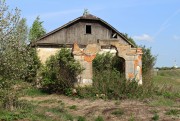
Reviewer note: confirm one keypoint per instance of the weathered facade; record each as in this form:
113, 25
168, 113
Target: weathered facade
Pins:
87, 36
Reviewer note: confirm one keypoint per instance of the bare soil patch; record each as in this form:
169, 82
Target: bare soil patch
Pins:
90, 109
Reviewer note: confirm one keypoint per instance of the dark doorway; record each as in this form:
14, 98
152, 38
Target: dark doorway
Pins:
119, 64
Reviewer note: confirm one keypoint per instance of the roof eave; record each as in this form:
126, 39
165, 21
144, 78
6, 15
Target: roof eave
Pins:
83, 18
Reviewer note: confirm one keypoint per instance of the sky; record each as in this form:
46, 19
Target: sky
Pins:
153, 23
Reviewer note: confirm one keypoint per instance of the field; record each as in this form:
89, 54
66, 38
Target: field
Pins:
35, 105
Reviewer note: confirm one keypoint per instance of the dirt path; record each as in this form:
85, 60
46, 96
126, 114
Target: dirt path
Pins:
110, 110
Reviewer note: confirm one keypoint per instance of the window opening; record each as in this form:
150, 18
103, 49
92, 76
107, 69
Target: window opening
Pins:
88, 29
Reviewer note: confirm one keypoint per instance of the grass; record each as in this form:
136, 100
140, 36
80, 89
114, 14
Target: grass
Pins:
48, 101
117, 102
168, 78
118, 112
168, 83
161, 101
73, 107
166, 96
155, 117
81, 118
30, 111
24, 110
132, 118
34, 110
33, 92
99, 118
174, 112
170, 73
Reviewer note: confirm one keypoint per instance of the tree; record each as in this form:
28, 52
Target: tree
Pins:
36, 30
130, 39
22, 31
8, 23
12, 46
14, 53
148, 60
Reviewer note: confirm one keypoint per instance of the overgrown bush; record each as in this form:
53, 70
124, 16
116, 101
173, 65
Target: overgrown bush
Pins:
60, 72
32, 69
148, 60
108, 61
109, 82
110, 79
8, 94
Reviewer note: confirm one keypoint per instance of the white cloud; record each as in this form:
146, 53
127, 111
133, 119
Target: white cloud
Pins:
144, 37
175, 37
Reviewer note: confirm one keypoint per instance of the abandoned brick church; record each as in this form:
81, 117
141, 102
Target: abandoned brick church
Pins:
87, 36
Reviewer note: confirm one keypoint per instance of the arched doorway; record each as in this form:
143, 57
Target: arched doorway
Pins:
119, 64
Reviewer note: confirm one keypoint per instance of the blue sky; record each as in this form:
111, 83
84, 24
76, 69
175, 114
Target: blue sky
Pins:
153, 23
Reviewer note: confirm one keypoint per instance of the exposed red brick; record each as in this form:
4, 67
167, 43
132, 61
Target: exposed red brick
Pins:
130, 75
89, 58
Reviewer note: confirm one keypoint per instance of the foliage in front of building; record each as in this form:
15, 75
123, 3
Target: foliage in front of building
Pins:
60, 72
16, 60
110, 83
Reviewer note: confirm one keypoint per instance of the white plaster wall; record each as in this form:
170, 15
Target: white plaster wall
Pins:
45, 53
112, 51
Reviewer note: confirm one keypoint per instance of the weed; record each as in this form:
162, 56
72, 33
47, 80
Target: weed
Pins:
161, 101
132, 118
154, 111
23, 110
117, 102
68, 91
81, 118
74, 107
118, 112
68, 117
33, 92
8, 116
99, 118
173, 112
155, 117
61, 112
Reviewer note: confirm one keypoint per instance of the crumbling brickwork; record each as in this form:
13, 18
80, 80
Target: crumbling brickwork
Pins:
132, 56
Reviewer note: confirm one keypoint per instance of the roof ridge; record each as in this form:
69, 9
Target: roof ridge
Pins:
88, 17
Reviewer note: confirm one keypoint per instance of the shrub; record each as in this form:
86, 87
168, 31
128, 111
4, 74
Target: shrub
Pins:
109, 81
148, 60
8, 97
60, 72
35, 65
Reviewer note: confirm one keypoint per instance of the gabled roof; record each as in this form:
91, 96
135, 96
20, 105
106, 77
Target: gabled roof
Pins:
87, 17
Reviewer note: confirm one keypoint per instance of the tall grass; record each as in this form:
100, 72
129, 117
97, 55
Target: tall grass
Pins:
168, 82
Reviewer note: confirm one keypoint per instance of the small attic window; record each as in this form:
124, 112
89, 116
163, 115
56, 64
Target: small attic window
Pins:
114, 35
88, 29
